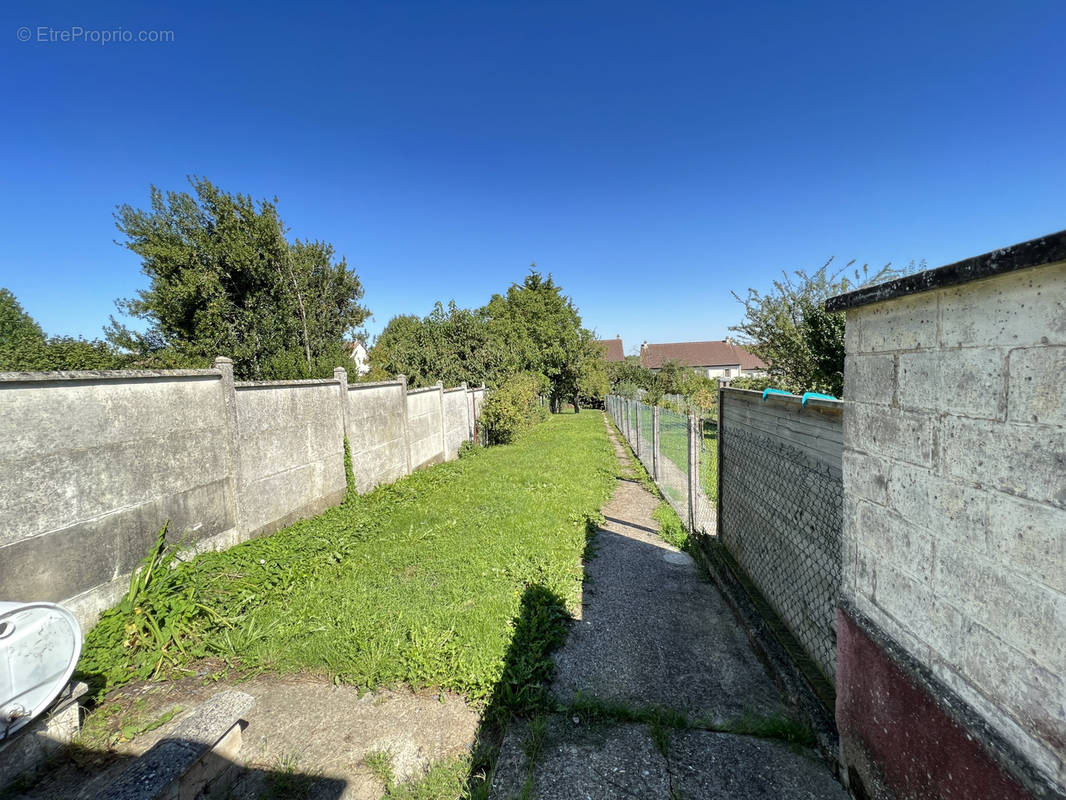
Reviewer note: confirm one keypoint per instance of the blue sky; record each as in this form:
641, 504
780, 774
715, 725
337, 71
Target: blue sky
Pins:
654, 157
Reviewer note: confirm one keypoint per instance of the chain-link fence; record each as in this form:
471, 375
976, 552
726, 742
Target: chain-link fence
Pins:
646, 415
673, 461
688, 480
781, 509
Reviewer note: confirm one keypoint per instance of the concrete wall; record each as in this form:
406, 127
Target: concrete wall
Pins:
456, 421
290, 461
92, 464
377, 426
780, 508
425, 425
954, 586
476, 402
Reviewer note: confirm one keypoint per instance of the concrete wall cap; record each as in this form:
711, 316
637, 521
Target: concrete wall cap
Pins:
1050, 249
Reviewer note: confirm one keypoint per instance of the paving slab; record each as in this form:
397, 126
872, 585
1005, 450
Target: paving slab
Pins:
653, 630
723, 766
581, 762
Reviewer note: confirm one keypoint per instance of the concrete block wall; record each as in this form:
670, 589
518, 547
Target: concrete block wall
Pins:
954, 587
92, 464
377, 433
477, 402
456, 421
780, 511
290, 463
425, 425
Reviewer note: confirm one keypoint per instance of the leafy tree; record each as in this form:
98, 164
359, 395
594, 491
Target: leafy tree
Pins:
533, 328
791, 331
225, 281
593, 383
629, 372
22, 343
25, 348
452, 345
540, 331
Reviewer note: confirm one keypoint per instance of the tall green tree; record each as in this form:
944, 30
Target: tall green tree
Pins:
25, 348
224, 280
789, 328
541, 332
451, 345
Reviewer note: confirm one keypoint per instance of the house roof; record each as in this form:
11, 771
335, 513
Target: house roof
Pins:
615, 352
699, 354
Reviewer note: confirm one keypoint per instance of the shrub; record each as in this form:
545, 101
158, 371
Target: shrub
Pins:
755, 383
513, 408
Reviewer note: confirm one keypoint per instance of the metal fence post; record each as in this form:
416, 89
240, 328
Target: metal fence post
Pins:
693, 469
636, 432
655, 469
721, 463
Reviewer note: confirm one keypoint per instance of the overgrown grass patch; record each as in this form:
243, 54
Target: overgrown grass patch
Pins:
417, 583
670, 527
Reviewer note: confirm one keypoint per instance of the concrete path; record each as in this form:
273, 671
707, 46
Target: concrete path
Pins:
654, 637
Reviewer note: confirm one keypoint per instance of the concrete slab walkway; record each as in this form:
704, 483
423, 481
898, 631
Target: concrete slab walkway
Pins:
655, 667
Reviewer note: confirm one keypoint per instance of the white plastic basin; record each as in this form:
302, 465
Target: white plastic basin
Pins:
39, 647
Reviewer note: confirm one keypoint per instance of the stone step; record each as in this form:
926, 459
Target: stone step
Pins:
196, 758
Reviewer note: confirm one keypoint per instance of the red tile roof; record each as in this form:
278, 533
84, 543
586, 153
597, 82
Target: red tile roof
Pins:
614, 349
699, 354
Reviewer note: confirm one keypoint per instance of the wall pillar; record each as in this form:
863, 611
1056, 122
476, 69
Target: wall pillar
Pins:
443, 423
466, 410
340, 374
229, 401
406, 429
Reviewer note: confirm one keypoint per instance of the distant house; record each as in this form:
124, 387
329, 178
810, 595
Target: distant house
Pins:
721, 359
357, 353
615, 352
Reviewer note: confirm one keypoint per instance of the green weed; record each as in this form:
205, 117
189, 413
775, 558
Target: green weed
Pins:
416, 583
115, 723
445, 780
379, 762
670, 527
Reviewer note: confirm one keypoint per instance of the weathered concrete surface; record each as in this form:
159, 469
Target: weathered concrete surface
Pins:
301, 731
425, 425
93, 464
158, 773
456, 421
713, 765
954, 512
603, 762
290, 452
653, 632
85, 490
376, 433
586, 762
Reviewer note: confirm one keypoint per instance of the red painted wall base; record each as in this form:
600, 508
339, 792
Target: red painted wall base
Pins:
897, 741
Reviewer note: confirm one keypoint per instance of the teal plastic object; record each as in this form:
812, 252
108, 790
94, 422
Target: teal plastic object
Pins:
809, 395
767, 392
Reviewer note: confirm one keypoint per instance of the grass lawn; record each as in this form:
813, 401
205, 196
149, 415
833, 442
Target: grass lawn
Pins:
416, 583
